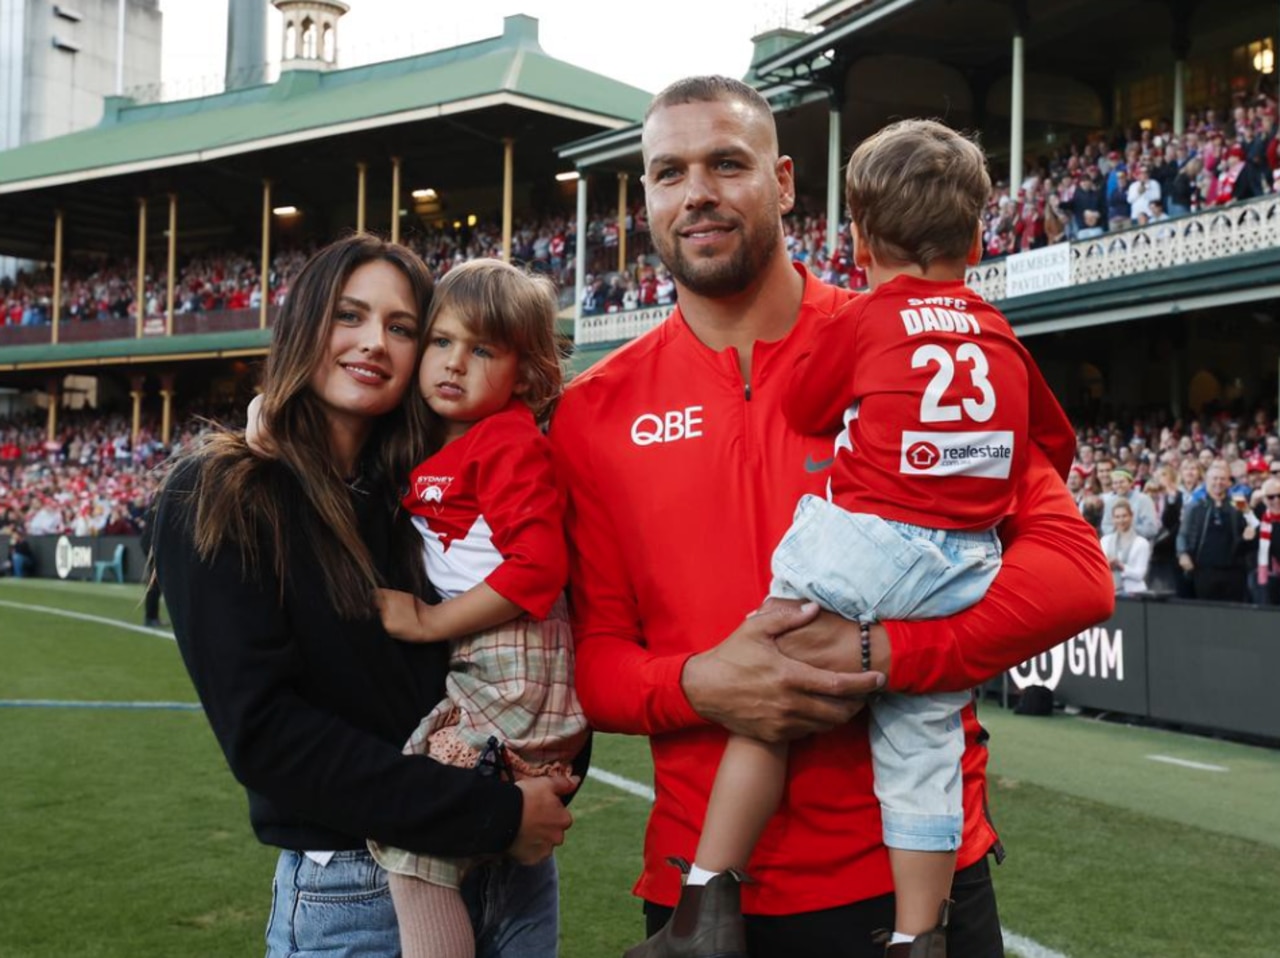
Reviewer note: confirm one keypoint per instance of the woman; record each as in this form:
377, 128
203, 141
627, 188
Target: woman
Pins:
1163, 489
268, 567
1127, 552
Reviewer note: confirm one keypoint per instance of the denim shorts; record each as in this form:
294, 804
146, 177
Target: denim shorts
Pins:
867, 569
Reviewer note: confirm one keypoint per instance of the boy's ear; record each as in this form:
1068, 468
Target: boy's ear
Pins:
975, 246
861, 248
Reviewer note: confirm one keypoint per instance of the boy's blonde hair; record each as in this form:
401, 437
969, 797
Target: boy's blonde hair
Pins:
515, 310
916, 190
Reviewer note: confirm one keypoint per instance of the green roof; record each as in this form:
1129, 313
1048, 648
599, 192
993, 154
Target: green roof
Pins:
148, 349
312, 104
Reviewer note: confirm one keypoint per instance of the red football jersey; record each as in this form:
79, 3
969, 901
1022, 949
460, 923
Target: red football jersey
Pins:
938, 400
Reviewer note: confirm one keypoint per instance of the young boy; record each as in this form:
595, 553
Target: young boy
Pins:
938, 401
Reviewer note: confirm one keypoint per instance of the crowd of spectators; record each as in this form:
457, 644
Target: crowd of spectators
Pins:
212, 281
1137, 177
1185, 508
90, 479
1181, 507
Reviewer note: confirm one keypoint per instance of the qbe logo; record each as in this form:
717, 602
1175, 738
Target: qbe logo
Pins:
671, 426
1096, 653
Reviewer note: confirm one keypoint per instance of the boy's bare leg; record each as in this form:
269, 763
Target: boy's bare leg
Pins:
745, 795
921, 883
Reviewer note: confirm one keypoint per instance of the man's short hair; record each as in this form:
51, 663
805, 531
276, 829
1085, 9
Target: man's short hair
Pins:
709, 89
916, 191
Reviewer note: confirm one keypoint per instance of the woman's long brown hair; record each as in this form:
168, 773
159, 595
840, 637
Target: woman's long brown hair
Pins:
242, 498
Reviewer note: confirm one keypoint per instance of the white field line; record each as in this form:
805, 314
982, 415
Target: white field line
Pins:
1025, 947
1186, 763
70, 704
637, 789
85, 617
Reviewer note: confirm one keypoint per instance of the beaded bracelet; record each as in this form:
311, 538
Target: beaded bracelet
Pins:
865, 629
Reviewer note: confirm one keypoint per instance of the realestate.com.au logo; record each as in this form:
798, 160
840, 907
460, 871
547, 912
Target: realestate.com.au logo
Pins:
1096, 653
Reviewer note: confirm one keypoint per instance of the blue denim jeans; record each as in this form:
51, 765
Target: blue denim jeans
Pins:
867, 569
344, 910
339, 910
515, 909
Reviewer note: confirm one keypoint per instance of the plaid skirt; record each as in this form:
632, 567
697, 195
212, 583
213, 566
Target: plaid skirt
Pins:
513, 683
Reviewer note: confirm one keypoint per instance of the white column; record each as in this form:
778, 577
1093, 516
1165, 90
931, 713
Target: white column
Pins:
834, 179
1015, 115
580, 252
1179, 97
120, 50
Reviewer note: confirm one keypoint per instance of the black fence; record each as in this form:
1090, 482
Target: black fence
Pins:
77, 557
1199, 664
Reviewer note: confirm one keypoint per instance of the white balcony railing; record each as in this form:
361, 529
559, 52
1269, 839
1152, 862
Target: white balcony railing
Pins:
1208, 235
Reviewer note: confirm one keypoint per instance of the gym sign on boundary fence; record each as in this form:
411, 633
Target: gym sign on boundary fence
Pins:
1103, 667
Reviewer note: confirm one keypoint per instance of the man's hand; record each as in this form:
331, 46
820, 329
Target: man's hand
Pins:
749, 686
832, 642
1185, 562
404, 615
544, 819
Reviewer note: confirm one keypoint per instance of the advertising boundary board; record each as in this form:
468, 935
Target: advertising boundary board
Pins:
1103, 667
1201, 664
80, 554
1215, 671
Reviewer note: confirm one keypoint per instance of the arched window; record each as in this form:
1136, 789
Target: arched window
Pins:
290, 40
329, 44
308, 39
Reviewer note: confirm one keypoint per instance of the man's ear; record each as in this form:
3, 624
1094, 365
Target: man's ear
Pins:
785, 171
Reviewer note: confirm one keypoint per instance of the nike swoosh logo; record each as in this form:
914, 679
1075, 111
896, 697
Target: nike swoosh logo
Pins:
817, 465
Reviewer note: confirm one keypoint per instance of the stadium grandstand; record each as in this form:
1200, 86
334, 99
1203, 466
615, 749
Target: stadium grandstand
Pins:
1133, 238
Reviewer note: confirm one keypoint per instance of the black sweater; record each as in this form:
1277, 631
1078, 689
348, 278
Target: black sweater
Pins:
311, 710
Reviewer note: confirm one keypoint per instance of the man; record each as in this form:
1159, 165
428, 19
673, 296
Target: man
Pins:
1264, 575
1145, 521
22, 559
1209, 540
1142, 193
1088, 197
682, 475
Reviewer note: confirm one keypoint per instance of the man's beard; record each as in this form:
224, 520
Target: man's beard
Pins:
717, 277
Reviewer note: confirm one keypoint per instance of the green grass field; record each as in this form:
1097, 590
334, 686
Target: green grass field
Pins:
123, 834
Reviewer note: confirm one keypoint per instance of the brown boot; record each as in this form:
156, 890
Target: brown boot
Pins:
932, 944
707, 922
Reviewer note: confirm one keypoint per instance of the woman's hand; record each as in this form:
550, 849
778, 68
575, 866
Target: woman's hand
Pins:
255, 434
544, 818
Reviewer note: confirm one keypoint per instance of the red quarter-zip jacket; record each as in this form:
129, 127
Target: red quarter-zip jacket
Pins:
681, 480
